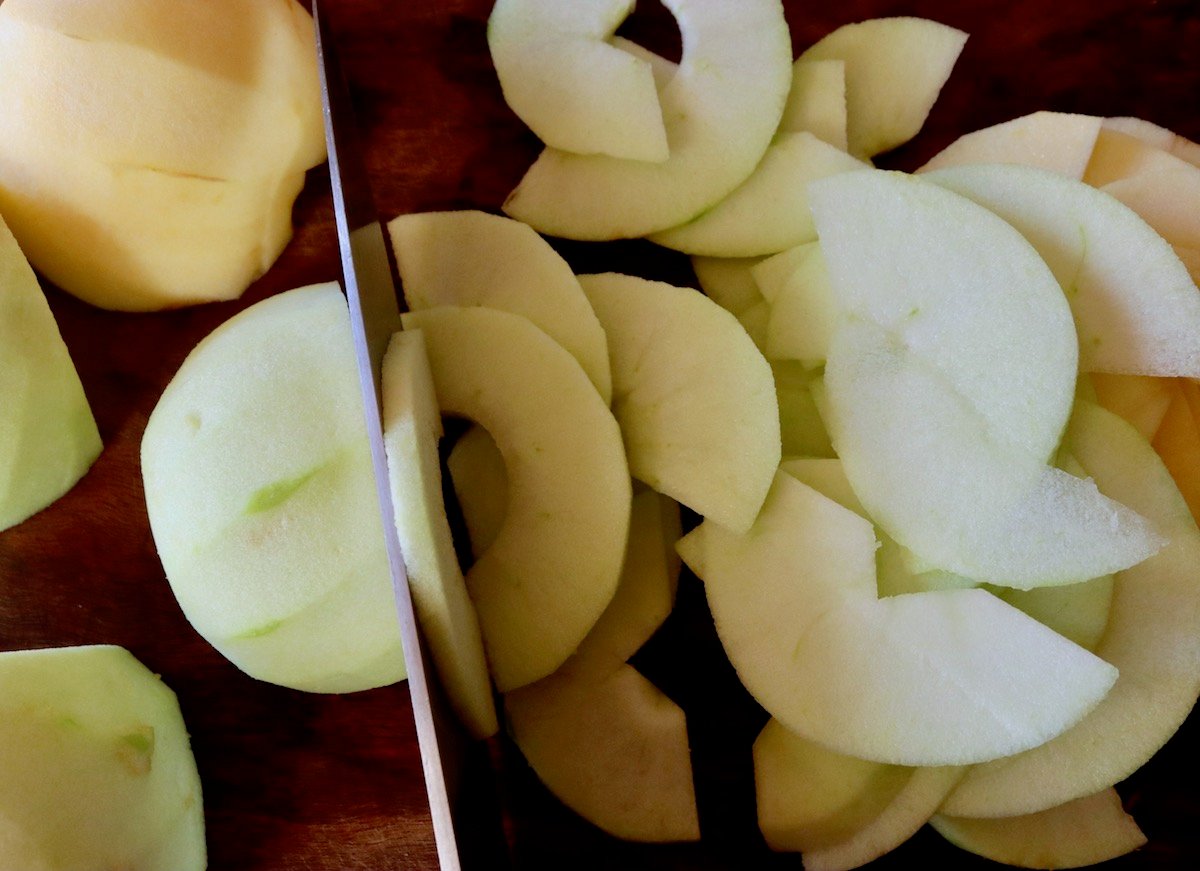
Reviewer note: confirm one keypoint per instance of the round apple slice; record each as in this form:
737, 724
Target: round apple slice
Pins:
553, 567
721, 110
573, 88
473, 258
1136, 308
412, 425
1153, 638
941, 678
694, 397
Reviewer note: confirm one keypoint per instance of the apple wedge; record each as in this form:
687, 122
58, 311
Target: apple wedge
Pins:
554, 565
947, 678
98, 770
1153, 638
412, 425
817, 101
259, 492
472, 258
48, 437
1136, 308
569, 85
1085, 831
693, 395
734, 76
895, 69
1055, 141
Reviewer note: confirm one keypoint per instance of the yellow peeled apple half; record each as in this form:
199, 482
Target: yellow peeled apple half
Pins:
98, 770
260, 494
48, 437
150, 153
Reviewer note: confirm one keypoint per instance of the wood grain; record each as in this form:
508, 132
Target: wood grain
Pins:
295, 781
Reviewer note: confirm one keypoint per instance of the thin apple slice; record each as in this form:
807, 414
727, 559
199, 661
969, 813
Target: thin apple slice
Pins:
817, 101
412, 425
472, 258
1153, 638
614, 750
552, 569
803, 308
1120, 155
728, 282
48, 436
795, 605
1055, 141
1085, 831
1136, 308
734, 76
1166, 200
895, 69
1141, 400
571, 87
1177, 441
694, 397
1160, 137
769, 211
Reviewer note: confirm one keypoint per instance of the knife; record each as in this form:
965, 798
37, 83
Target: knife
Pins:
466, 822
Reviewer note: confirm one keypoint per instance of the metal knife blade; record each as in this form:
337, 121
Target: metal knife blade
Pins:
451, 764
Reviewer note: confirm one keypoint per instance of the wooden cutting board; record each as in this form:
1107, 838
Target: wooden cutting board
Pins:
295, 781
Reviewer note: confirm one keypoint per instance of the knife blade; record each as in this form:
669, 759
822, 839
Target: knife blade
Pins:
466, 824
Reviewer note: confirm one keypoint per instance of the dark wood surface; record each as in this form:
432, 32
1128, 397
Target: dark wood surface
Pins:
295, 781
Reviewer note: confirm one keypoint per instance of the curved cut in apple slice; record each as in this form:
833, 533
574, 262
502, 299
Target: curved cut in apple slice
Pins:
734, 76
694, 397
1082, 832
470, 258
769, 211
552, 569
1055, 141
574, 89
969, 677
1136, 308
1153, 638
412, 426
895, 69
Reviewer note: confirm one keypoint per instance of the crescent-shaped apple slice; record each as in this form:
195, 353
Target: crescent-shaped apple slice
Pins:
734, 76
1055, 141
574, 89
553, 567
942, 678
1153, 637
694, 397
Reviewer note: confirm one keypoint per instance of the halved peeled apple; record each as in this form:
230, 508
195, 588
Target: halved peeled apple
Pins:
509, 267
554, 565
945, 678
48, 437
1136, 308
569, 84
1152, 638
260, 497
98, 771
412, 425
721, 109
895, 69
1055, 141
948, 383
694, 397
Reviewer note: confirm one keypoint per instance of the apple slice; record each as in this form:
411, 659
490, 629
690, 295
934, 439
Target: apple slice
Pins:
895, 69
1153, 638
1055, 141
817, 101
694, 397
260, 497
48, 437
472, 258
728, 282
412, 426
553, 567
769, 211
734, 76
1085, 831
480, 485
1160, 137
1141, 400
1166, 200
98, 771
803, 308
571, 87
795, 605
1120, 155
1177, 442
1136, 308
